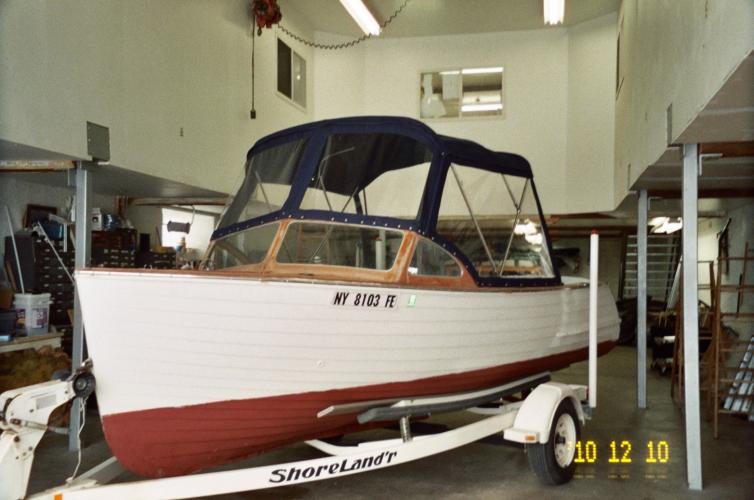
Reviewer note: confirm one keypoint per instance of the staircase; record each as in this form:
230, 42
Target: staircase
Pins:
663, 252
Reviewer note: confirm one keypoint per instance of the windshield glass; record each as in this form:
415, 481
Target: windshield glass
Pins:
267, 184
370, 174
243, 248
340, 245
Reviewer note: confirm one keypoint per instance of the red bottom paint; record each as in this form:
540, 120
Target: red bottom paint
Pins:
176, 441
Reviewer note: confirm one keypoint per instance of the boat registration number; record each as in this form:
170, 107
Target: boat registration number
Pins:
365, 299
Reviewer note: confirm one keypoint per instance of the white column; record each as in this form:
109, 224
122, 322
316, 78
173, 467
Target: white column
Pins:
83, 251
594, 260
641, 301
691, 318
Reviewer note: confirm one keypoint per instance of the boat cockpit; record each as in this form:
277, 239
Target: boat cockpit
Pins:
384, 200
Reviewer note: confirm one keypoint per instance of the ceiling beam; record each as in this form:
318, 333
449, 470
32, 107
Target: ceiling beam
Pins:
705, 193
163, 202
16, 166
728, 149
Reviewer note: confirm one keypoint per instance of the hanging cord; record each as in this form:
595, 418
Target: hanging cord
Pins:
343, 45
253, 43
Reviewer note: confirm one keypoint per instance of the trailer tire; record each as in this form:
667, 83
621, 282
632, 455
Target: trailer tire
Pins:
553, 462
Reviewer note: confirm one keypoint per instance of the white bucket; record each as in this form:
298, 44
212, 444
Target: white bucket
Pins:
34, 311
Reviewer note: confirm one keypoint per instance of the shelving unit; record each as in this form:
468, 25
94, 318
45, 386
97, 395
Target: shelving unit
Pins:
733, 387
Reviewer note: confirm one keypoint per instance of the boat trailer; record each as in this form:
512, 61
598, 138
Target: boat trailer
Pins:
547, 422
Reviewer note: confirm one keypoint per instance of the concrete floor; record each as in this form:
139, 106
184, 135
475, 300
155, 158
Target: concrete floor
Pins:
492, 469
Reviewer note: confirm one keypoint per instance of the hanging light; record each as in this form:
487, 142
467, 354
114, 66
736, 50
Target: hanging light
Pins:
362, 16
554, 11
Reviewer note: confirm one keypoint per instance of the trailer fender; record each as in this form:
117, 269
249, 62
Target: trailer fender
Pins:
534, 418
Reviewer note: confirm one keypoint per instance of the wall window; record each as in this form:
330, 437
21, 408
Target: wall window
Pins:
462, 93
620, 56
200, 229
291, 74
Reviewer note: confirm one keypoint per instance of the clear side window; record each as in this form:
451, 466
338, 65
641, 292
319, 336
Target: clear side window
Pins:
431, 260
340, 245
494, 220
242, 248
527, 255
267, 183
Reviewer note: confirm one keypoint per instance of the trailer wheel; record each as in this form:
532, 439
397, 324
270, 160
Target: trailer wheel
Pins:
553, 461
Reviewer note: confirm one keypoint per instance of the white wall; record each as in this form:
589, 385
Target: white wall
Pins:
145, 69
674, 52
740, 231
382, 77
591, 115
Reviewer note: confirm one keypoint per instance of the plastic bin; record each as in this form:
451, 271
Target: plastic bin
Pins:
34, 312
7, 322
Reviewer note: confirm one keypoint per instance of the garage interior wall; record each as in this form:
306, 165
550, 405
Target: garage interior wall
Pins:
557, 94
671, 54
741, 230
171, 79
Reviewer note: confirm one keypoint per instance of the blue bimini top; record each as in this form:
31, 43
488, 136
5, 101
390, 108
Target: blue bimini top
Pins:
389, 172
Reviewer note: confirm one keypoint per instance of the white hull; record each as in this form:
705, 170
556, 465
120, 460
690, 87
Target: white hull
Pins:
172, 340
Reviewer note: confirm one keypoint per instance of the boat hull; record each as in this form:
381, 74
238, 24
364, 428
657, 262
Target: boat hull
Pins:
176, 441
194, 376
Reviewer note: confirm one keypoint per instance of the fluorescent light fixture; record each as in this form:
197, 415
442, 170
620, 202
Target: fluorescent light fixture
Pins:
527, 227
456, 72
362, 16
481, 71
554, 11
470, 108
658, 221
534, 239
484, 97
664, 225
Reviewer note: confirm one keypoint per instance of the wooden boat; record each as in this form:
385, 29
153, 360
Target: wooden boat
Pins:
361, 259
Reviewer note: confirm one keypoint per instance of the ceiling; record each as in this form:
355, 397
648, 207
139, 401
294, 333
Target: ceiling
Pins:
718, 174
444, 17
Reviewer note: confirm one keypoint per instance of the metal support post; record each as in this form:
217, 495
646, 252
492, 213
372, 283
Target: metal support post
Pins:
83, 252
641, 301
405, 425
691, 317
